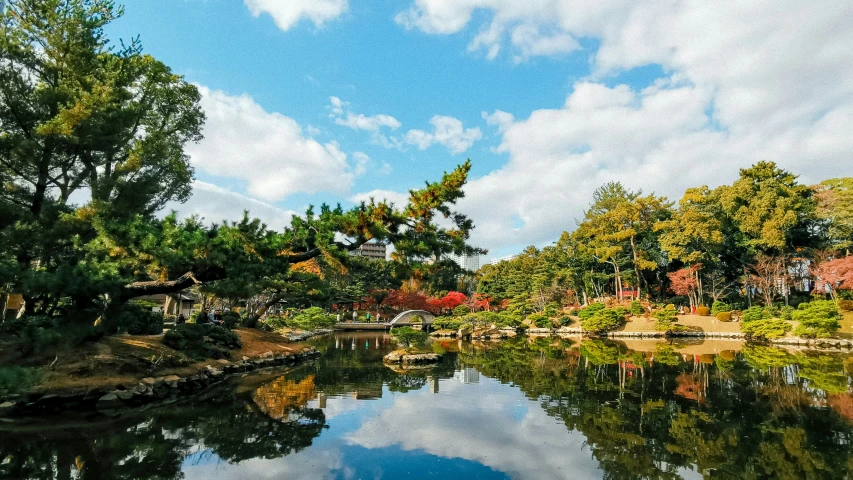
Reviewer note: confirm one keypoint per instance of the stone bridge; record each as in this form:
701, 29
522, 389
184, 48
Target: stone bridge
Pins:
404, 319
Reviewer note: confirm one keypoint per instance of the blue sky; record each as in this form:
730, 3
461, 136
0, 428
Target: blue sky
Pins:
549, 99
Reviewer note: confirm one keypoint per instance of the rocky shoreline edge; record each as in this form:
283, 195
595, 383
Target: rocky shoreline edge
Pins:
504, 333
149, 391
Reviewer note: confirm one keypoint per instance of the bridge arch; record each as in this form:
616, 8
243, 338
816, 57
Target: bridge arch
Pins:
405, 318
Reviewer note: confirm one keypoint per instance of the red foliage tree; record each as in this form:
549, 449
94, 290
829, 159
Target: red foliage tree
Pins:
833, 275
686, 282
481, 301
401, 300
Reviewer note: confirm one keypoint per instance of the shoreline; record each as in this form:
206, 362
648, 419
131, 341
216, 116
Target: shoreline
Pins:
148, 392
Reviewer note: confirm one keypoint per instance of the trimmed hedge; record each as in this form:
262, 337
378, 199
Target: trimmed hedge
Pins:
703, 310
724, 316
846, 305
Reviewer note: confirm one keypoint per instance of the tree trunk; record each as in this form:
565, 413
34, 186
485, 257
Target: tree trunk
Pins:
252, 320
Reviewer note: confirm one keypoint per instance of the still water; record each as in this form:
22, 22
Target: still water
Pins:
526, 408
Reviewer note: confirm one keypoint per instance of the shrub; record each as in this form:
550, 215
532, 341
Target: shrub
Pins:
622, 311
787, 312
448, 323
724, 316
703, 310
201, 317
408, 337
670, 306
564, 320
231, 319
311, 319
636, 307
461, 310
720, 306
665, 321
552, 309
37, 333
416, 319
202, 340
18, 379
603, 321
543, 322
765, 328
817, 319
756, 313
137, 320
591, 310
846, 305
273, 322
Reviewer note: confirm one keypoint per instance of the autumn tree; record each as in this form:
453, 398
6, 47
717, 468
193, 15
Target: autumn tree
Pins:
833, 275
770, 276
685, 282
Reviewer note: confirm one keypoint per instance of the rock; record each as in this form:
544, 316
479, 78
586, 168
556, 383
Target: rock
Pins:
245, 358
171, 378
123, 394
266, 355
510, 334
7, 407
223, 361
149, 381
464, 332
108, 401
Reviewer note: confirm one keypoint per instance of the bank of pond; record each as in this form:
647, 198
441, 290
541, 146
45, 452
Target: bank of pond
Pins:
529, 407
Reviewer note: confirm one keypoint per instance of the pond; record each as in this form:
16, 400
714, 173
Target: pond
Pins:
524, 408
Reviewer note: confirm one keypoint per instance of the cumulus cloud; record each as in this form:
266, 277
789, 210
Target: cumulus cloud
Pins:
752, 81
448, 132
397, 198
500, 119
216, 204
499, 428
358, 121
266, 149
288, 13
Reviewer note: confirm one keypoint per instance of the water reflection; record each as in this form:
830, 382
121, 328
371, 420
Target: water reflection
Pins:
526, 408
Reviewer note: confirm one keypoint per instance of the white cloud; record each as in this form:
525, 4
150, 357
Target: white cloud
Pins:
358, 121
216, 204
501, 119
288, 13
361, 162
499, 428
398, 199
266, 149
447, 131
755, 80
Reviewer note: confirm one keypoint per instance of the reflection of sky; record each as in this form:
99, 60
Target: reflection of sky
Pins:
481, 430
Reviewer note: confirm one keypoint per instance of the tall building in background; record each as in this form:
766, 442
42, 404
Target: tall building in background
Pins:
470, 263
371, 250
503, 259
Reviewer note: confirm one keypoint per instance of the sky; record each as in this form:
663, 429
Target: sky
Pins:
335, 101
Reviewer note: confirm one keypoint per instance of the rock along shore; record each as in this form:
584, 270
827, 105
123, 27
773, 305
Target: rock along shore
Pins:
148, 391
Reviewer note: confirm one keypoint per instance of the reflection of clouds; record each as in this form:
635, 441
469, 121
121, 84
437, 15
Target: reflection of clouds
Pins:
477, 425
336, 406
309, 463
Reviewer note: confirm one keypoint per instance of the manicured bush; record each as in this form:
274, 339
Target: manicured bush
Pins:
665, 321
311, 319
602, 321
846, 305
564, 321
18, 379
724, 316
552, 309
408, 337
231, 319
765, 328
202, 340
818, 319
670, 306
137, 320
756, 313
448, 323
636, 308
588, 312
703, 310
622, 311
720, 306
461, 310
787, 312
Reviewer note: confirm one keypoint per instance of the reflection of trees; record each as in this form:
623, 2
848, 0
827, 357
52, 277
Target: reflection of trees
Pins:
640, 416
155, 446
281, 396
